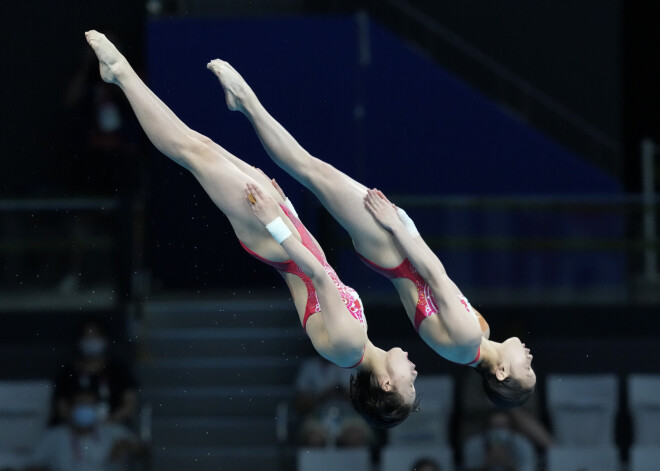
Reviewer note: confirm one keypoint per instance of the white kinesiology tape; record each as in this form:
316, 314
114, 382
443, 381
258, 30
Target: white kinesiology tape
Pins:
407, 222
278, 230
289, 204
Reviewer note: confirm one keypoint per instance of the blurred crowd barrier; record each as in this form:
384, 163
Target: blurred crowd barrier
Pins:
509, 249
536, 249
66, 247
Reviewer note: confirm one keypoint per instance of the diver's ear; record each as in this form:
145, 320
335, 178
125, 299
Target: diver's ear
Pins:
500, 373
385, 383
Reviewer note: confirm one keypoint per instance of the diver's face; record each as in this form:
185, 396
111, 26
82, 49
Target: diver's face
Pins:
402, 374
519, 360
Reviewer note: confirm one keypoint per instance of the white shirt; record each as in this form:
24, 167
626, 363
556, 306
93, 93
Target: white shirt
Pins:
521, 450
61, 450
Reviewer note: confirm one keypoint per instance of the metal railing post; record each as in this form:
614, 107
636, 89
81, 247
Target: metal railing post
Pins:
648, 152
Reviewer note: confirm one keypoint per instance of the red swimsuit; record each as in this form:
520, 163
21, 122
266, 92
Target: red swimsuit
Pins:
349, 295
426, 303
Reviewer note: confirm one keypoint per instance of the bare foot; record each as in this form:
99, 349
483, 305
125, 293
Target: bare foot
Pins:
110, 59
237, 91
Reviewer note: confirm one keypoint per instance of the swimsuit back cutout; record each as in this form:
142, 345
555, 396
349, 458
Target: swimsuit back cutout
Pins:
349, 295
426, 303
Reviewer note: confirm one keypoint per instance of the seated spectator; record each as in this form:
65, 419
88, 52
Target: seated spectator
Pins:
323, 402
116, 386
426, 464
84, 442
473, 407
499, 447
527, 424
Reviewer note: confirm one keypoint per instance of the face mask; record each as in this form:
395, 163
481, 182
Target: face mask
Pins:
109, 118
499, 436
84, 415
92, 346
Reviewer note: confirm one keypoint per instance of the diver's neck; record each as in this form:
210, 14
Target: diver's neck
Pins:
489, 353
374, 358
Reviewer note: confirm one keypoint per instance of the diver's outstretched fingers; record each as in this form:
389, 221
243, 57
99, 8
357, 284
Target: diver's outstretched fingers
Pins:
263, 206
375, 198
370, 202
254, 194
250, 195
383, 211
278, 188
382, 196
258, 191
273, 182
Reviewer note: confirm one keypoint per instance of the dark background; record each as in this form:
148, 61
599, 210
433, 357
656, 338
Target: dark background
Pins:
598, 60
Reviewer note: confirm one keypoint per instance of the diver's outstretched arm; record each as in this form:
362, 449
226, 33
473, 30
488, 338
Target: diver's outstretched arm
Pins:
427, 264
344, 334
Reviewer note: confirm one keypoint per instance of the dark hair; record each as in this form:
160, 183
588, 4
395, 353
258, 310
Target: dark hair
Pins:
380, 408
505, 394
425, 462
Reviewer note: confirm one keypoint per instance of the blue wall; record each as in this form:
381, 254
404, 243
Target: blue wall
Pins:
424, 131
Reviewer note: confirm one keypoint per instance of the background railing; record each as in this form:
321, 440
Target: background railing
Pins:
537, 249
54, 249
511, 249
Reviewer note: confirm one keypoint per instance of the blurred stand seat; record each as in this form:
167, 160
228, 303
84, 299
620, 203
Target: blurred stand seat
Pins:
403, 457
356, 459
499, 442
582, 409
10, 460
571, 458
644, 406
430, 425
24, 409
644, 458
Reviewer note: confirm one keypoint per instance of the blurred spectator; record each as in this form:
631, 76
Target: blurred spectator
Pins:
84, 442
474, 406
94, 368
318, 381
499, 447
322, 400
426, 464
100, 158
526, 423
